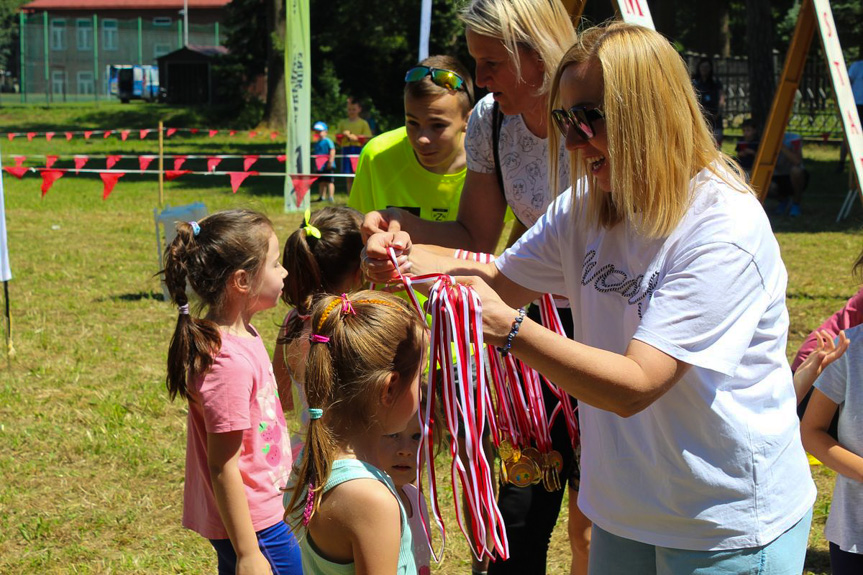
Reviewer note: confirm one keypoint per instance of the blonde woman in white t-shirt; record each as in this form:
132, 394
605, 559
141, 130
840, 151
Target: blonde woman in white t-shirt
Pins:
691, 454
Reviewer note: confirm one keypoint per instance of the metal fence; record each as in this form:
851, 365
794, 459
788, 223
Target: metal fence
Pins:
64, 59
815, 113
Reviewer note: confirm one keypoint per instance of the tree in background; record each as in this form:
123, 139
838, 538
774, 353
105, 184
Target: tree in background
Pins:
9, 35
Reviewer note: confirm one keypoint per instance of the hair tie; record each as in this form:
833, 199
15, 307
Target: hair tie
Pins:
347, 306
310, 505
315, 338
309, 228
196, 229
315, 413
183, 309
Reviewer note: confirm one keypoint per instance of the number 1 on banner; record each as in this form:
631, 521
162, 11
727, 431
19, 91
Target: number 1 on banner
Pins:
635, 12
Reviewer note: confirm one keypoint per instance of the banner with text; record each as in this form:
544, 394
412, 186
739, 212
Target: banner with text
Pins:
298, 79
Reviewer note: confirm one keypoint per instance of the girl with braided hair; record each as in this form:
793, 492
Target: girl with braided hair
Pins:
362, 382
237, 454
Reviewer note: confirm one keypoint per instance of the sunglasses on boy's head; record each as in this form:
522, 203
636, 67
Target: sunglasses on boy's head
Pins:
579, 117
443, 78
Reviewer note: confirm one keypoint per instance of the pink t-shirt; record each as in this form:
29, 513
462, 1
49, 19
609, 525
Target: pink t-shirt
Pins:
848, 316
238, 393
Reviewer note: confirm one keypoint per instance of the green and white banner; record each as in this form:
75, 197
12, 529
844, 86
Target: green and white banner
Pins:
298, 78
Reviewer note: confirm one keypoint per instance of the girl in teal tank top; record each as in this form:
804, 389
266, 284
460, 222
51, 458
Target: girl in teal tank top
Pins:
362, 382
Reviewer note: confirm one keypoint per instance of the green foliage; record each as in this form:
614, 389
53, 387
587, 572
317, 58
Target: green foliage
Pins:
9, 33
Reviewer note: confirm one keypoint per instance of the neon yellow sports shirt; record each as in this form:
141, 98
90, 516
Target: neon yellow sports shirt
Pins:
389, 175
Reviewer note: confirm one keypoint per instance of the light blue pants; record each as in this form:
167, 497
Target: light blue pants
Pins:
613, 555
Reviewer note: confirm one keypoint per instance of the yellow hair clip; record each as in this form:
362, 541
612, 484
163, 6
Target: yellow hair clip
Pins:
309, 228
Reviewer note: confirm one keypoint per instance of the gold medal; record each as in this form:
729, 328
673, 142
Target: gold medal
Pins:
505, 450
522, 474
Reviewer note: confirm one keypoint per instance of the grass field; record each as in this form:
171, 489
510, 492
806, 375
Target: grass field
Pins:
91, 468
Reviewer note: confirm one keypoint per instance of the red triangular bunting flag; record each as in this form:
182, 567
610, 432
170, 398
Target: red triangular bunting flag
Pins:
232, 133
87, 134
11, 136
174, 174
274, 135
110, 161
354, 161
19, 160
107, 134
171, 131
48, 136
49, 161
109, 181
282, 158
144, 161
48, 179
30, 136
249, 161
213, 163
213, 132
124, 134
237, 178
17, 171
143, 133
301, 186
80, 162
193, 130
69, 136
252, 134
321, 160
179, 161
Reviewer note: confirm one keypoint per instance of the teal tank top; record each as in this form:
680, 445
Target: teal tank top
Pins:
346, 470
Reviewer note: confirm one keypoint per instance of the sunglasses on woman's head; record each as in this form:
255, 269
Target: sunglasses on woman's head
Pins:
579, 117
443, 78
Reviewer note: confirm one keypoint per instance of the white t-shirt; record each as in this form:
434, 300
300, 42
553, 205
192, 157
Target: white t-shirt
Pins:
842, 383
523, 161
716, 462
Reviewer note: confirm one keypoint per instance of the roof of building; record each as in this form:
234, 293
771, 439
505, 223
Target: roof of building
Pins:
206, 51
90, 5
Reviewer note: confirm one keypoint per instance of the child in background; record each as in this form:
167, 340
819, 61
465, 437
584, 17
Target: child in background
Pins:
237, 453
322, 256
362, 382
324, 146
397, 456
352, 132
747, 146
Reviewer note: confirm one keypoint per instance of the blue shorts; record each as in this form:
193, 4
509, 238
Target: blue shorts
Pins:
613, 555
278, 545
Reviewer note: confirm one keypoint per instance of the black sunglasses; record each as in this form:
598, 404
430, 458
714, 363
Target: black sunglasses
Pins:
579, 117
443, 78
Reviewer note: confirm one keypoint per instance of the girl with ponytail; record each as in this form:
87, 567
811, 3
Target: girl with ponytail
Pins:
362, 382
237, 453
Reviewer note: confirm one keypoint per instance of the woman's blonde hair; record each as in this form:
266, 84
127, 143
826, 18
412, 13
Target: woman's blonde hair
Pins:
658, 137
362, 338
542, 26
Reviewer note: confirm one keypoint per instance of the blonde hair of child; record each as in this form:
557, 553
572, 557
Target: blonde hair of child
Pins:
345, 377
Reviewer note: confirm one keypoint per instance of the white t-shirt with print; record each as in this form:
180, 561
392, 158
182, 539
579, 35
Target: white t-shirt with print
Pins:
523, 161
842, 383
716, 462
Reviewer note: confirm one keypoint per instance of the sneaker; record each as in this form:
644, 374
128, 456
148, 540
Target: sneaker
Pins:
795, 210
781, 208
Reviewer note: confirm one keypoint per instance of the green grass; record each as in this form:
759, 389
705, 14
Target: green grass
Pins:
91, 468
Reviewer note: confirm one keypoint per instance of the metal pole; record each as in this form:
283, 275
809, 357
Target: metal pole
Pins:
185, 22
22, 71
217, 35
161, 162
95, 57
45, 35
140, 42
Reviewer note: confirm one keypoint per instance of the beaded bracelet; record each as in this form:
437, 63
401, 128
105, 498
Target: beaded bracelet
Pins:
516, 323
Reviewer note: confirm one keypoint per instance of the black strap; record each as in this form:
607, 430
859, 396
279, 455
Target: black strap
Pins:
496, 123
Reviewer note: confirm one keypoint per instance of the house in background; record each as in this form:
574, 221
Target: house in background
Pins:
67, 45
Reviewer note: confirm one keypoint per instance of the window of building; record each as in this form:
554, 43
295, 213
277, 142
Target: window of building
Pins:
109, 35
58, 34
162, 21
160, 50
86, 85
58, 82
84, 33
